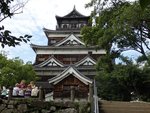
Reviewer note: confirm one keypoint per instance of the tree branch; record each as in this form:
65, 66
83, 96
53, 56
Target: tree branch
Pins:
14, 10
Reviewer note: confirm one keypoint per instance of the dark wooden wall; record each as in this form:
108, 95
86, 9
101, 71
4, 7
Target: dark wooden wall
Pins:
63, 88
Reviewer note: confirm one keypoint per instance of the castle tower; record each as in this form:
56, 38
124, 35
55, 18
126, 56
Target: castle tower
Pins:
66, 61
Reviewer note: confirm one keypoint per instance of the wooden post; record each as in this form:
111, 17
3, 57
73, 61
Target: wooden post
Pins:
41, 94
0, 90
90, 97
10, 93
72, 94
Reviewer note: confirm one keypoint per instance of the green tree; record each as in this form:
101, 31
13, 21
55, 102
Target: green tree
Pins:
123, 26
144, 3
14, 70
128, 81
9, 10
120, 26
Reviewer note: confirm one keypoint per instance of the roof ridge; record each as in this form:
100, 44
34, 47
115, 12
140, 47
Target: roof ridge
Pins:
73, 13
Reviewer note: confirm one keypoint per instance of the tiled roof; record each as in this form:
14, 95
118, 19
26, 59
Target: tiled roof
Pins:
67, 72
73, 14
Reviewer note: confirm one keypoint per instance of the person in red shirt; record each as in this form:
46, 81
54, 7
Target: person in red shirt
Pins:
22, 87
22, 84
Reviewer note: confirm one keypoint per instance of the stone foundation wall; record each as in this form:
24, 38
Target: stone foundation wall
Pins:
36, 106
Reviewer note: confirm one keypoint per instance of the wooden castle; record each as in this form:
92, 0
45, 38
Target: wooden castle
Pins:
66, 63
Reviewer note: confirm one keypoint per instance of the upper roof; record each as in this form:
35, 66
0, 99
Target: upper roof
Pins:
58, 33
80, 49
73, 14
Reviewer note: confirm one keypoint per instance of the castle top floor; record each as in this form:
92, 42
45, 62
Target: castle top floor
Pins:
72, 21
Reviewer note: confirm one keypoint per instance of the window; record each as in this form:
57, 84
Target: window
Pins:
73, 25
41, 59
69, 59
65, 26
88, 63
82, 25
53, 41
52, 64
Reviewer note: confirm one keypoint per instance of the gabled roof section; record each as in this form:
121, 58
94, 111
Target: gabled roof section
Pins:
52, 62
70, 71
86, 61
70, 40
73, 14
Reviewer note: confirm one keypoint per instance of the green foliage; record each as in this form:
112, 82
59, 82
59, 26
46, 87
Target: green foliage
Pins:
82, 107
14, 70
125, 78
121, 27
144, 3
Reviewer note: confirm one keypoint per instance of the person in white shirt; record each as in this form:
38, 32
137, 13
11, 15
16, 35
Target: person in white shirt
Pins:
16, 90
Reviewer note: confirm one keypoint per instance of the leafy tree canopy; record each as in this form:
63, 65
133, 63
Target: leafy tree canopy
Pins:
120, 27
14, 70
9, 10
128, 81
144, 3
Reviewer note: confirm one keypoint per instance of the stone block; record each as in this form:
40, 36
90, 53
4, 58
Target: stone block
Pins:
52, 108
2, 107
22, 107
68, 110
8, 111
10, 107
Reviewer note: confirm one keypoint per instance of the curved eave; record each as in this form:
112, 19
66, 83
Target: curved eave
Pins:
71, 14
82, 60
35, 47
59, 17
59, 31
67, 72
47, 61
46, 31
61, 47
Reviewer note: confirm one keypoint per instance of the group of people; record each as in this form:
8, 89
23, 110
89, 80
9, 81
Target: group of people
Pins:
21, 89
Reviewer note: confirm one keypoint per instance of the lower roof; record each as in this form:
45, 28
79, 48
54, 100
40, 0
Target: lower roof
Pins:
70, 71
66, 50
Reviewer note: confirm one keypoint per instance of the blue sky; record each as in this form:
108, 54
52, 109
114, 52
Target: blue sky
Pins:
36, 15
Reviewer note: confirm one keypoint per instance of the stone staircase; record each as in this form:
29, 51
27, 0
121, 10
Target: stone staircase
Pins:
123, 107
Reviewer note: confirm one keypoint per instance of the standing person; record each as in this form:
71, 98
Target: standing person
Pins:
22, 87
29, 89
32, 85
4, 92
22, 84
35, 90
16, 90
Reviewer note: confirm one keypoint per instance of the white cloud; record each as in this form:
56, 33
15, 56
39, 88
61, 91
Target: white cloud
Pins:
36, 15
